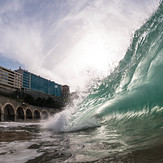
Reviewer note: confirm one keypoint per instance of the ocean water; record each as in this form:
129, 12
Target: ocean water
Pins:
120, 120
124, 110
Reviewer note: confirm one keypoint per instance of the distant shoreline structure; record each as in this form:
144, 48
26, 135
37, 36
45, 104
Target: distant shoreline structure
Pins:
23, 79
33, 89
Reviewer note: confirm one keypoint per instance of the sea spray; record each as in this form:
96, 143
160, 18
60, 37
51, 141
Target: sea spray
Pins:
62, 122
69, 120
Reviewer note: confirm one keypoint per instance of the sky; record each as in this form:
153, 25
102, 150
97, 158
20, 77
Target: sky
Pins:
69, 41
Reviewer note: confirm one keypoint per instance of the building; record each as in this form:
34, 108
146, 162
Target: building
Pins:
65, 90
32, 82
22, 80
9, 79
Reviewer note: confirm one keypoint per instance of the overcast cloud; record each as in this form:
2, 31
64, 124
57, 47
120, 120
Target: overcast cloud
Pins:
67, 40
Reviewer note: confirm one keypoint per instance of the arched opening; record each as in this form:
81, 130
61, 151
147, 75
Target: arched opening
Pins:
44, 115
0, 114
20, 113
36, 114
9, 114
52, 113
28, 114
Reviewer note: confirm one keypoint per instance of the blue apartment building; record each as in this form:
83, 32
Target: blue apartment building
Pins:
36, 83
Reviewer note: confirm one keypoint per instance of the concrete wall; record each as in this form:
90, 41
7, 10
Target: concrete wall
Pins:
12, 110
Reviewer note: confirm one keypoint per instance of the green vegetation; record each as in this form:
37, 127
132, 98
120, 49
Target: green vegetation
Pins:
42, 102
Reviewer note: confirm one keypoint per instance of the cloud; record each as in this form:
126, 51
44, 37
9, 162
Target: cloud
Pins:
62, 40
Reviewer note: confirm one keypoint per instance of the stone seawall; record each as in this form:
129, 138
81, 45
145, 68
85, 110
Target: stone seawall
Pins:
15, 110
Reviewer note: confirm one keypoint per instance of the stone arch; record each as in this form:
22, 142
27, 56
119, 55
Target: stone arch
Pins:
44, 115
0, 112
52, 113
20, 113
9, 112
37, 114
28, 114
